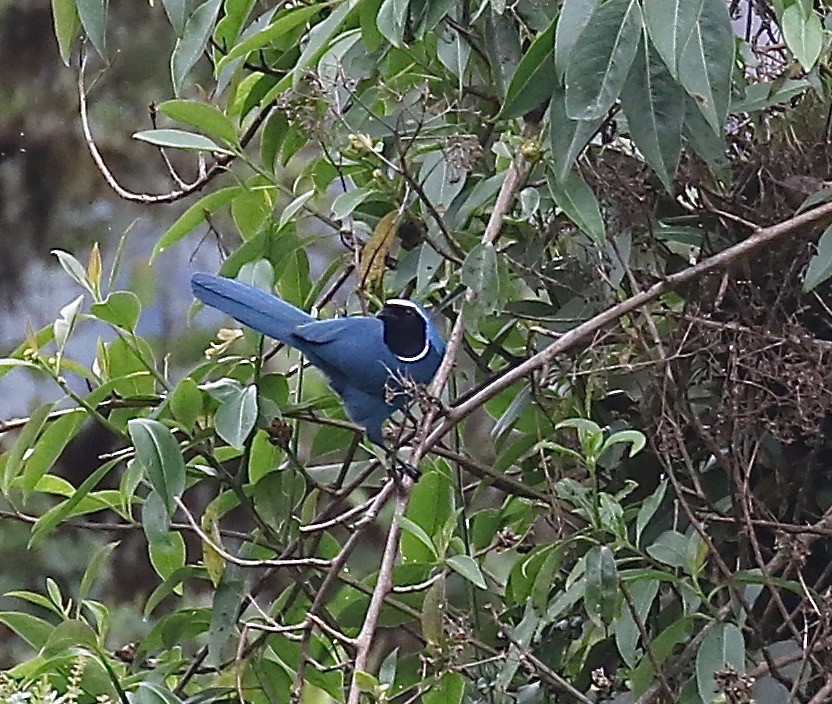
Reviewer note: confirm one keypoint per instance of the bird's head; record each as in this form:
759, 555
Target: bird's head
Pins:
405, 329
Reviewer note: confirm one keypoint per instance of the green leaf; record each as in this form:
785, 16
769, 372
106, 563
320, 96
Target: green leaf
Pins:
567, 137
479, 273
649, 507
49, 447
366, 682
696, 41
293, 208
578, 202
803, 34
433, 613
272, 136
35, 631
601, 596
344, 204
627, 633
159, 453
417, 532
723, 647
195, 216
670, 548
168, 554
574, 17
121, 308
172, 581
178, 139
655, 109
236, 416
193, 41
532, 82
279, 27
449, 690
441, 180
820, 265
431, 504
74, 268
392, 20
66, 22
662, 645
93, 14
635, 438
65, 323
468, 568
224, 609
202, 116
54, 516
186, 402
152, 693
25, 441
175, 10
93, 568
67, 635
319, 37
601, 59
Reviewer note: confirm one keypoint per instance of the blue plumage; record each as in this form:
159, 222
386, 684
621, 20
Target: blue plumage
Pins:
360, 356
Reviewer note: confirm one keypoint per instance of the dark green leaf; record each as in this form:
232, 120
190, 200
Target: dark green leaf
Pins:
175, 10
479, 273
600, 60
152, 693
820, 265
227, 600
648, 508
414, 529
723, 647
159, 453
601, 597
167, 554
194, 216
655, 109
574, 16
93, 14
670, 548
279, 27
577, 200
532, 82
392, 20
193, 41
468, 568
449, 690
568, 137
25, 441
627, 633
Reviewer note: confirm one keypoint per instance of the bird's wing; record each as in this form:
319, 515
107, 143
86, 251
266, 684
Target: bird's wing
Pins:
352, 349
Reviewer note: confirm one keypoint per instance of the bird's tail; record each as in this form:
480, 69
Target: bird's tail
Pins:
250, 305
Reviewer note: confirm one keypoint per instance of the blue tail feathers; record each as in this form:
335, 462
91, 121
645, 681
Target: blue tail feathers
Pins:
250, 305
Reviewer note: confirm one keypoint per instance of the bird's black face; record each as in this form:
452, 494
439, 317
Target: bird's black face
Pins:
405, 330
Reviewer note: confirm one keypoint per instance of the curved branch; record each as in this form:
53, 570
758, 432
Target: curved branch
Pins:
205, 177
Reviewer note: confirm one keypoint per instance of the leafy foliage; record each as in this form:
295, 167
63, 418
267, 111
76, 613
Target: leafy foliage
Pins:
593, 525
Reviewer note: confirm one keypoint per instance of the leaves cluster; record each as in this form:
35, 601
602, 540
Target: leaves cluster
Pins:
544, 556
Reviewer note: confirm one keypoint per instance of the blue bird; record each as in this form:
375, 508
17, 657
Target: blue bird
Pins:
361, 356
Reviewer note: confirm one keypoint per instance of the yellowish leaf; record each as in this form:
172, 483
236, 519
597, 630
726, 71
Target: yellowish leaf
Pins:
374, 254
214, 562
94, 266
